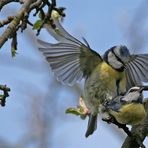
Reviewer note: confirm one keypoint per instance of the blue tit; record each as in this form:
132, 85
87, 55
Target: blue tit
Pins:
105, 76
128, 108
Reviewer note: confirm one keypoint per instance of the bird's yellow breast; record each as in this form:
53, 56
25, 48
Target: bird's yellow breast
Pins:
101, 85
107, 71
109, 76
132, 114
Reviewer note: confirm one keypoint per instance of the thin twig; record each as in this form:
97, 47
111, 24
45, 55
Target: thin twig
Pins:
54, 2
5, 2
47, 17
11, 29
6, 21
119, 125
14, 45
5, 94
36, 4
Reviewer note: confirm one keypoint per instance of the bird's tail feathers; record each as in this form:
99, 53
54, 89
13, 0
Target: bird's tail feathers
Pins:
92, 125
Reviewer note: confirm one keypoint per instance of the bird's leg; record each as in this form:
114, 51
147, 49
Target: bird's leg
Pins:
117, 86
123, 126
82, 105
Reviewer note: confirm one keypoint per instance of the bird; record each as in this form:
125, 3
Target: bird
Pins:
128, 108
105, 76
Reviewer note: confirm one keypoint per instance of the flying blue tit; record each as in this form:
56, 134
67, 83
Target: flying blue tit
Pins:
128, 108
105, 76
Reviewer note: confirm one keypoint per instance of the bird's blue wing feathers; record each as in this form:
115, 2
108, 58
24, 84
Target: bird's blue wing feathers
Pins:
70, 59
137, 70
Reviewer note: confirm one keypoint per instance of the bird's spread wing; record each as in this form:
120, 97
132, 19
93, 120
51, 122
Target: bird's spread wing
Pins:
70, 59
137, 70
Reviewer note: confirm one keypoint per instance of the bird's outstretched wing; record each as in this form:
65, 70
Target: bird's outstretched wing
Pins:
70, 59
137, 70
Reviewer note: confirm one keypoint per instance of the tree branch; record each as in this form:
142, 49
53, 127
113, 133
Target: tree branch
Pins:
22, 18
5, 94
11, 29
5, 2
139, 132
6, 21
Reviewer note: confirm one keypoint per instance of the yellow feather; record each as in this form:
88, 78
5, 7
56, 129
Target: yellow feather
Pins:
110, 72
109, 76
132, 114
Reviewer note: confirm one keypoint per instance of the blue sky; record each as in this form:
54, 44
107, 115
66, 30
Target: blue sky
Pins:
104, 24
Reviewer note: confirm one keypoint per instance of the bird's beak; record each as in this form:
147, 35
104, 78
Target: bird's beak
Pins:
143, 88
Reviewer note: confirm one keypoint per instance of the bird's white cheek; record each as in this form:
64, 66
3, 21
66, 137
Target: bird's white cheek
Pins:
112, 60
131, 97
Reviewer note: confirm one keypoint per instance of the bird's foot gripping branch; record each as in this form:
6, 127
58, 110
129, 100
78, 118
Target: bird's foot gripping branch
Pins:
82, 111
4, 94
135, 136
119, 125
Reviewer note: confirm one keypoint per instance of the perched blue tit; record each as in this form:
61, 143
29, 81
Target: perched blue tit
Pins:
128, 108
105, 76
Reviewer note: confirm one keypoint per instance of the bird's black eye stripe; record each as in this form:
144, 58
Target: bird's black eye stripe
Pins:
119, 59
132, 90
123, 101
